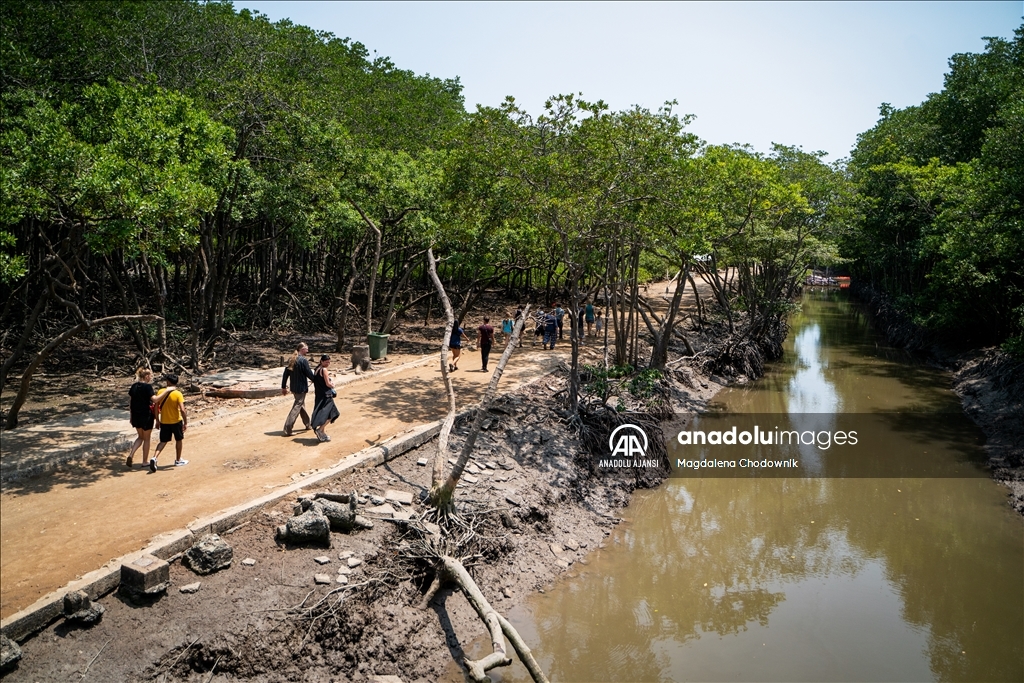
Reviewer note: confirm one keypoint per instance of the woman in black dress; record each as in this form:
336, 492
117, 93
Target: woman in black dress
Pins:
324, 410
141, 394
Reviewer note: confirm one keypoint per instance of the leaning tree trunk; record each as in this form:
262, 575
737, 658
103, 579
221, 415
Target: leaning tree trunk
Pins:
440, 496
449, 420
44, 353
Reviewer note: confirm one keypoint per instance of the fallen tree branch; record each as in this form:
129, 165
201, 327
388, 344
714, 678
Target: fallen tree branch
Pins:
453, 570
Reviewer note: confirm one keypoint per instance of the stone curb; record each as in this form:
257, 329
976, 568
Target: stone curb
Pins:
99, 582
123, 441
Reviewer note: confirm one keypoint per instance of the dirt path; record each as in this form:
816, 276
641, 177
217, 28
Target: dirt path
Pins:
58, 527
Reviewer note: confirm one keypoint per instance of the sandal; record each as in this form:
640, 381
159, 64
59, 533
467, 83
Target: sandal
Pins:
128, 463
152, 465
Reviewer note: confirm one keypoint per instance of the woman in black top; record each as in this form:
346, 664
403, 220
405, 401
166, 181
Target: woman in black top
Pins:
141, 394
324, 410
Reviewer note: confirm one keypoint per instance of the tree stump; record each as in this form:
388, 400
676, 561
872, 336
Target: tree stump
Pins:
361, 357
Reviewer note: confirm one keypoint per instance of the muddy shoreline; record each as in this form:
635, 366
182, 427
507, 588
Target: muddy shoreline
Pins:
243, 623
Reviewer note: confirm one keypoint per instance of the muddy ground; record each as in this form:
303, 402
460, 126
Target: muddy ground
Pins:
245, 623
990, 384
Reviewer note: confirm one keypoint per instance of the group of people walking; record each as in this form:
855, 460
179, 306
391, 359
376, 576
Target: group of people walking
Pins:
550, 326
166, 408
149, 408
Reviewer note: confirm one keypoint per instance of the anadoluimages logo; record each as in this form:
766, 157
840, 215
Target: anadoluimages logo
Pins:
627, 443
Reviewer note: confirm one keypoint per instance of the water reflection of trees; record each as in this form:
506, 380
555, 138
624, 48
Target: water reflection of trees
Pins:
747, 539
956, 555
741, 538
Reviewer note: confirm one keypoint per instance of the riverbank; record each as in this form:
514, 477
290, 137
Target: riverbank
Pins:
246, 620
990, 385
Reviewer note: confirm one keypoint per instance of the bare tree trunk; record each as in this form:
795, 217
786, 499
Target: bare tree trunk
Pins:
373, 266
44, 353
441, 496
449, 420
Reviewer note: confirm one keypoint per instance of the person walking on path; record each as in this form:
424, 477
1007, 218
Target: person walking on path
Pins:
324, 410
559, 314
173, 421
550, 330
589, 312
455, 344
140, 411
506, 329
538, 331
485, 340
297, 376
598, 323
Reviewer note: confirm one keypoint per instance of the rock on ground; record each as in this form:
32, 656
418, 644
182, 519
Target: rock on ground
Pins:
209, 554
10, 653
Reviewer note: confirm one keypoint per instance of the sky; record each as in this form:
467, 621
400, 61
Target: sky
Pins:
798, 73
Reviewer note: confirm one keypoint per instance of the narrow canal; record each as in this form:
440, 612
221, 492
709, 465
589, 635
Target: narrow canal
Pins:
824, 578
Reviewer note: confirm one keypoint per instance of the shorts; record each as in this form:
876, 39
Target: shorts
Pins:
143, 421
177, 430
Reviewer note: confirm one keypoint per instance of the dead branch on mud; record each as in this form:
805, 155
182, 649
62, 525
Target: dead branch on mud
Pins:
462, 539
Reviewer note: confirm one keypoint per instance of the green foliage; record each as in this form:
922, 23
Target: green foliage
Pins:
941, 188
133, 166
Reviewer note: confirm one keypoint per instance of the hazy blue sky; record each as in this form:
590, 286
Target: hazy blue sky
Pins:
803, 73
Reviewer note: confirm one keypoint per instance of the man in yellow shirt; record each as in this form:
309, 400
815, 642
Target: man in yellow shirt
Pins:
173, 421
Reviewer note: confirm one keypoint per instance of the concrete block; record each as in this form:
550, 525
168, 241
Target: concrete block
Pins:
145, 577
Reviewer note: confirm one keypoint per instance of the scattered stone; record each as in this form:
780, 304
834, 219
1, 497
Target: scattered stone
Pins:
383, 510
209, 554
506, 465
145, 578
376, 500
10, 653
452, 461
321, 579
402, 515
432, 528
323, 559
562, 563
473, 469
422, 462
556, 549
354, 562
506, 592
514, 500
491, 465
345, 555
400, 497
386, 679
469, 479
249, 562
571, 544
341, 578
344, 570
191, 587
78, 606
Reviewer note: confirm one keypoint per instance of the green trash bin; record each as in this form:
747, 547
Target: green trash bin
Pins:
378, 345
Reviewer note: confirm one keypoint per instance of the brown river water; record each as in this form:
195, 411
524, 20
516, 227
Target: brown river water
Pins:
821, 578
